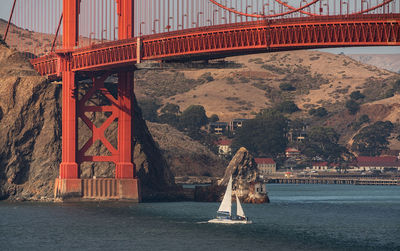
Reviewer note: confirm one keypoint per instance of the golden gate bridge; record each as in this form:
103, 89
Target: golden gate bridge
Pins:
101, 38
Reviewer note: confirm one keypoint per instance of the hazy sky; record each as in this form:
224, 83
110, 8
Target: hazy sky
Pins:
7, 4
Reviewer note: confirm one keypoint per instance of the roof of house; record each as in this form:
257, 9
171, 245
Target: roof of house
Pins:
224, 142
264, 161
323, 163
291, 149
378, 161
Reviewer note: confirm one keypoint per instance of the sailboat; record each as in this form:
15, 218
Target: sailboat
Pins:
224, 214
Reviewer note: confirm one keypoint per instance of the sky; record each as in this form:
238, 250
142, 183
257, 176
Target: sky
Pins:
7, 5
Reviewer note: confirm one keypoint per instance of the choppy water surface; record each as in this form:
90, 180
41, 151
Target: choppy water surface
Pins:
299, 217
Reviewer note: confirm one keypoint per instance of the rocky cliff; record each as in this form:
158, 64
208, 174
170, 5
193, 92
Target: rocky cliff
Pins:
243, 170
30, 137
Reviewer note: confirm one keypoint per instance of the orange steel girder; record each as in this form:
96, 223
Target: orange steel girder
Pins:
121, 108
365, 30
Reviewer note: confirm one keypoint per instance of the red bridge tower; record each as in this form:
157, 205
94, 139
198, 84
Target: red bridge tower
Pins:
125, 185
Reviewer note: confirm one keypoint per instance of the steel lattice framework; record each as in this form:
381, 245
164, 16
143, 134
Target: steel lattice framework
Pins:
360, 30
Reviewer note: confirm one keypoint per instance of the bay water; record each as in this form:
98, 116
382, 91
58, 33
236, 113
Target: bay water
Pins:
299, 217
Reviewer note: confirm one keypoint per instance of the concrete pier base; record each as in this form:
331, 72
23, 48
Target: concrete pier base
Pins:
97, 189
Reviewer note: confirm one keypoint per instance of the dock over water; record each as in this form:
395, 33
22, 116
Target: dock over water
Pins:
336, 180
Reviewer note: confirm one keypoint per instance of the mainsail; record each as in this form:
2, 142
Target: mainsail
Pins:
226, 203
239, 208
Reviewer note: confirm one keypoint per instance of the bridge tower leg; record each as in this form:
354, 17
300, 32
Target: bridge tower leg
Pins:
69, 183
125, 170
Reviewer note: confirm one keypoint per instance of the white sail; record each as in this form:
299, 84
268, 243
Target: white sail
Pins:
239, 208
226, 203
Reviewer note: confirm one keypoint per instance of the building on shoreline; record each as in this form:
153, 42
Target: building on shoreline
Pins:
265, 166
381, 163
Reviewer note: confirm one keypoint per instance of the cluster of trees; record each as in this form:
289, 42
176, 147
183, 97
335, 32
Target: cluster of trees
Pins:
266, 134
323, 142
395, 89
373, 139
353, 104
319, 112
190, 121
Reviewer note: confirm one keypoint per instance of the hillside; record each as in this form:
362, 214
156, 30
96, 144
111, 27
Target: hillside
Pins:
252, 82
240, 86
390, 62
185, 156
35, 43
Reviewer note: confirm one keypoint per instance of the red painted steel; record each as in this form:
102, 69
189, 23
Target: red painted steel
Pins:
98, 133
56, 36
125, 10
69, 167
124, 168
286, 34
70, 23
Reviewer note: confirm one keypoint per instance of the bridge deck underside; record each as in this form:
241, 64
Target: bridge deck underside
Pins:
371, 30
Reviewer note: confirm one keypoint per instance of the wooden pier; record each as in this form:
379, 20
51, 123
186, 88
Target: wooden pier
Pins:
348, 181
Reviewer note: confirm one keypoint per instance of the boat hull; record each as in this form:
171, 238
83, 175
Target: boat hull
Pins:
229, 221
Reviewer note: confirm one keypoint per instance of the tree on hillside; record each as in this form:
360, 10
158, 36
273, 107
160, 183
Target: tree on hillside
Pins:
319, 112
287, 87
193, 118
171, 108
323, 142
396, 86
264, 135
356, 95
373, 139
149, 109
213, 118
352, 106
170, 115
364, 119
287, 107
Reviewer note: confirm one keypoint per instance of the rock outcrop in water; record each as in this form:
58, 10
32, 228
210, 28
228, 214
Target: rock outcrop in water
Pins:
30, 138
243, 170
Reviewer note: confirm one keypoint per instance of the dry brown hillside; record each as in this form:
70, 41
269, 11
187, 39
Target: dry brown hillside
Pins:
240, 86
36, 43
252, 83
